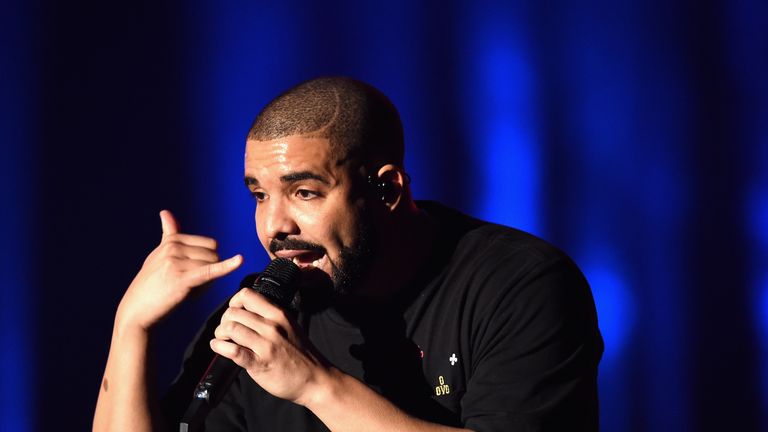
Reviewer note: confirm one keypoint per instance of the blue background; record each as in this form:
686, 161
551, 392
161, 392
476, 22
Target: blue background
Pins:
634, 135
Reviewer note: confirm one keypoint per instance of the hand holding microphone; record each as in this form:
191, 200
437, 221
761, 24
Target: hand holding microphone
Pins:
271, 291
261, 336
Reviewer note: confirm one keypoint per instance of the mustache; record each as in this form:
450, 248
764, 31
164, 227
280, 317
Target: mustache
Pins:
293, 244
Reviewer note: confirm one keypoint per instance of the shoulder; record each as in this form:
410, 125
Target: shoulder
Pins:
519, 316
497, 274
506, 250
484, 253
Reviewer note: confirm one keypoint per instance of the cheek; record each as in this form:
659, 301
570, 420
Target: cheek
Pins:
323, 225
310, 222
343, 228
317, 227
260, 230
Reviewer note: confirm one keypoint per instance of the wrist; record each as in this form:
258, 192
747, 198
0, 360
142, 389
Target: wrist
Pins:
324, 390
128, 326
134, 314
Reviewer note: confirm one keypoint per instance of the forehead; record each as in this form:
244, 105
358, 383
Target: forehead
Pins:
289, 154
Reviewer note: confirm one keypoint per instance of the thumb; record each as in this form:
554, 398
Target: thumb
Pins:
170, 226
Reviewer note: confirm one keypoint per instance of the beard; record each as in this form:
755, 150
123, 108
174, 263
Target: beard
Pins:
354, 262
318, 290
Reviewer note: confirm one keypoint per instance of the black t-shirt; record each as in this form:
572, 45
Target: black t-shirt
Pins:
498, 334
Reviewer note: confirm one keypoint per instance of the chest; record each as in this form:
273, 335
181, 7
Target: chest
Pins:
420, 361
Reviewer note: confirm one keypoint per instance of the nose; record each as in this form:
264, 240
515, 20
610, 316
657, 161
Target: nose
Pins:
274, 217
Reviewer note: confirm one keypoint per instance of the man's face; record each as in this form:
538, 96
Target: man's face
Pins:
308, 208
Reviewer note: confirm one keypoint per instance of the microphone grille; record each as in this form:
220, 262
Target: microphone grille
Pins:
278, 282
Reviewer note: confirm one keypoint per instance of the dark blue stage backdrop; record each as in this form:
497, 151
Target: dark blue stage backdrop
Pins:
632, 134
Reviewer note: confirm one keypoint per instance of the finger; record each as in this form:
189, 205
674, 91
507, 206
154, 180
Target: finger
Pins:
194, 240
242, 356
168, 222
252, 301
180, 250
240, 334
213, 271
191, 265
267, 329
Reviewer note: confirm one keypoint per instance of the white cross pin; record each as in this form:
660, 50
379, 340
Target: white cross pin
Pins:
453, 359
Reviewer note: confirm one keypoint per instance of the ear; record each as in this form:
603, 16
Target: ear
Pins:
391, 181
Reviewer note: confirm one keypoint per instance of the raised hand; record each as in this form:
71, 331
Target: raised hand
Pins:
171, 272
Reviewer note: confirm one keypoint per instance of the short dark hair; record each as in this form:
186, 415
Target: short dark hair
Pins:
360, 122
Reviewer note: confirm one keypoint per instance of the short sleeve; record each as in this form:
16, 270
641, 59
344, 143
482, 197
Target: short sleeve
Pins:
536, 357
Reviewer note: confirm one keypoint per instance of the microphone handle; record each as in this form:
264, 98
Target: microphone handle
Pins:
207, 394
278, 284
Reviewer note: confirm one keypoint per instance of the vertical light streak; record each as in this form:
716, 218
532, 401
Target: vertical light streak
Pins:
17, 184
499, 99
748, 66
247, 53
757, 216
625, 230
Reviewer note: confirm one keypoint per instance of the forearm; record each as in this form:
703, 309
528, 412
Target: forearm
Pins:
260, 337
124, 402
344, 404
177, 266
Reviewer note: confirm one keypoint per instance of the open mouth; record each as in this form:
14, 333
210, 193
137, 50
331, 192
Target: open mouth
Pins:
304, 258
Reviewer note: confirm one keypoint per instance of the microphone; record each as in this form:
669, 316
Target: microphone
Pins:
278, 284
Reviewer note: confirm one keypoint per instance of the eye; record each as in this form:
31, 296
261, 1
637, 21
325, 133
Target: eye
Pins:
258, 195
306, 194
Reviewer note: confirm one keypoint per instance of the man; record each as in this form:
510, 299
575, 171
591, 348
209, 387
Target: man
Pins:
412, 317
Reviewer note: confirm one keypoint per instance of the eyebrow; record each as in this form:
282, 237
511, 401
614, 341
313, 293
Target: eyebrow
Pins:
291, 178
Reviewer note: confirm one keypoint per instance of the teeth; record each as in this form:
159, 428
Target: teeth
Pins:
315, 263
